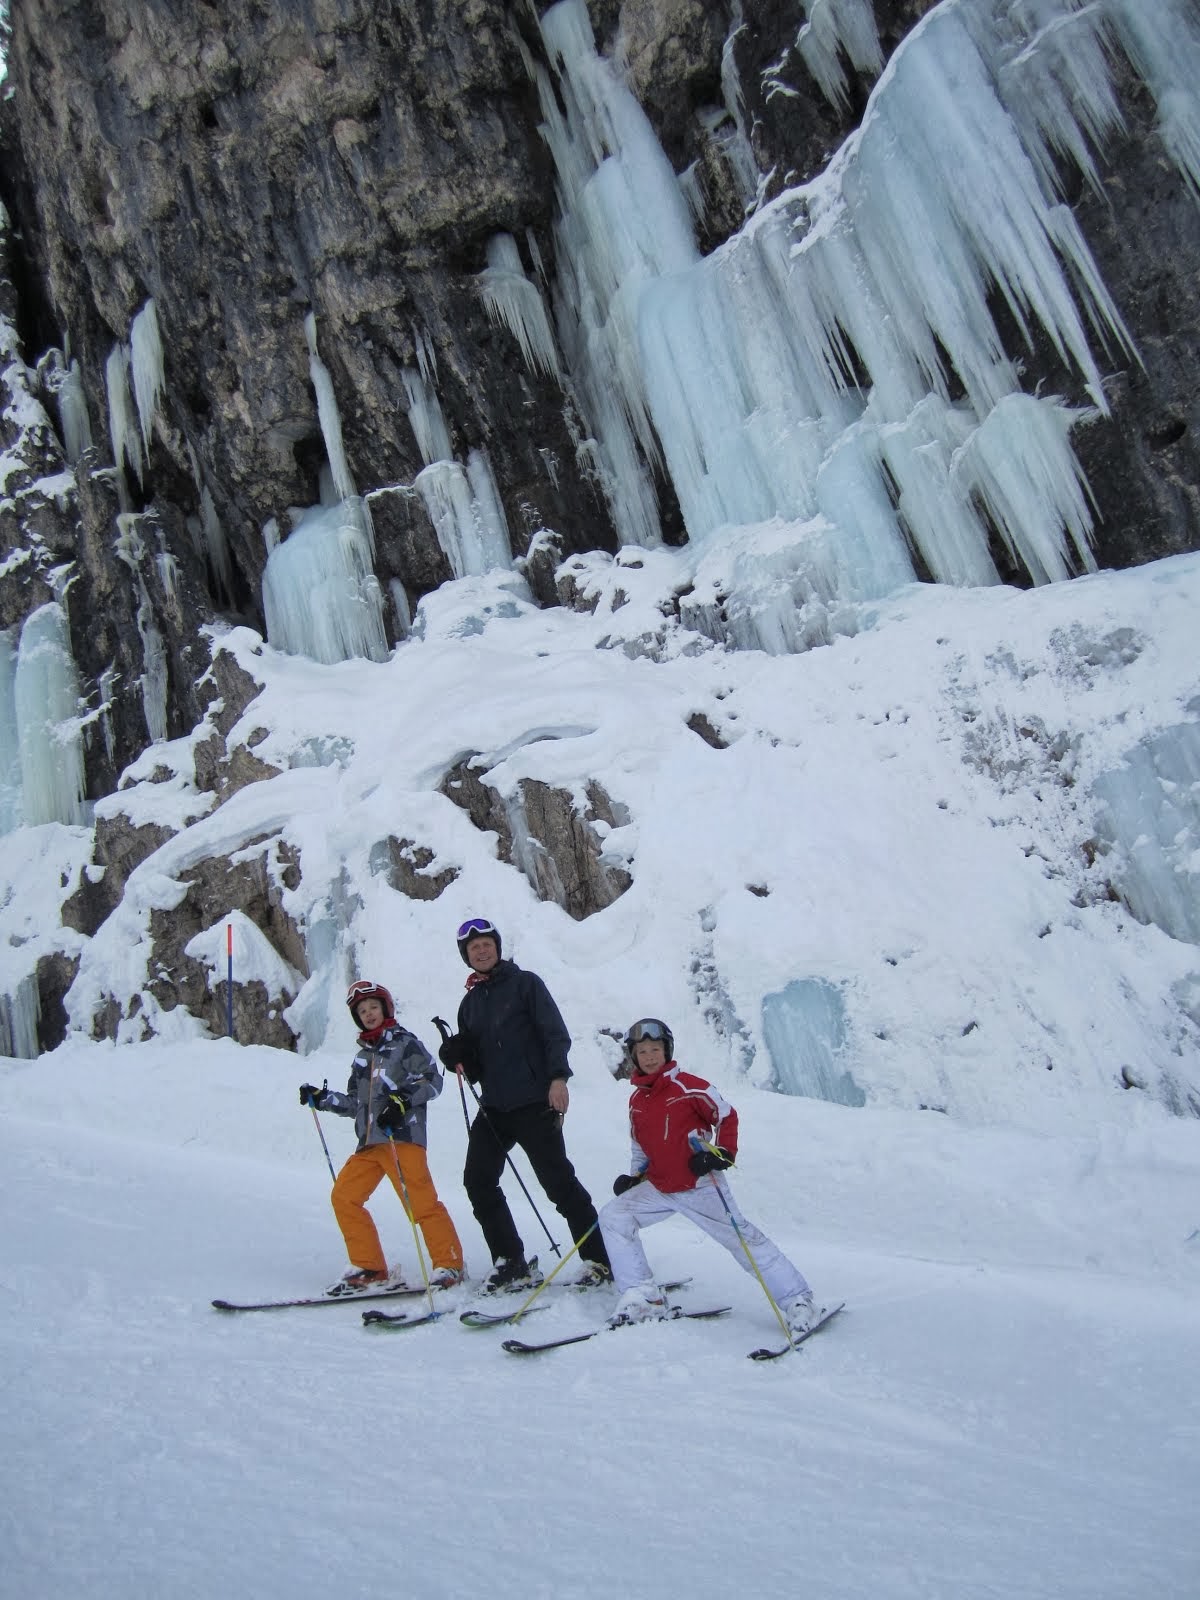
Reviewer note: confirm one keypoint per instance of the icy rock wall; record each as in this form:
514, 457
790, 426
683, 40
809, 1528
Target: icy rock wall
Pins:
1150, 816
804, 1026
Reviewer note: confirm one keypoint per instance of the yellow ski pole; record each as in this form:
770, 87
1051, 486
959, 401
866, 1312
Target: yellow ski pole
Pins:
698, 1142
412, 1222
546, 1282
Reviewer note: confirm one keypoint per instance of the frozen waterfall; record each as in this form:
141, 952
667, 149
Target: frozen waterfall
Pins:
837, 363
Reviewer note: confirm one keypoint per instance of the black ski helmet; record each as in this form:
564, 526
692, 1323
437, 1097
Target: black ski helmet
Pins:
364, 989
651, 1028
475, 928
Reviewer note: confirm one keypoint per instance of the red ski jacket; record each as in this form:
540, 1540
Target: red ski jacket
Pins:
665, 1107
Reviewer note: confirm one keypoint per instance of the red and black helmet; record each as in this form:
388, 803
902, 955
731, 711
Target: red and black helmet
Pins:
364, 989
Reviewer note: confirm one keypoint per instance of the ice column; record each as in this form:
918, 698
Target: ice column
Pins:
326, 555
463, 503
46, 704
321, 597
10, 757
327, 414
154, 676
126, 443
146, 355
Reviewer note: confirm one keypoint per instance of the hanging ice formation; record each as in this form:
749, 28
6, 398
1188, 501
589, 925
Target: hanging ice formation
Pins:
516, 301
329, 553
835, 367
123, 435
130, 550
146, 360
10, 764
463, 502
45, 701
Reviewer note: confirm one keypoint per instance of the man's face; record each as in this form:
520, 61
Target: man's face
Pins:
650, 1055
482, 954
370, 1014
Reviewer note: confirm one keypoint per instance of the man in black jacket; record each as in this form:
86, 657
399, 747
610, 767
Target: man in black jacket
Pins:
513, 1042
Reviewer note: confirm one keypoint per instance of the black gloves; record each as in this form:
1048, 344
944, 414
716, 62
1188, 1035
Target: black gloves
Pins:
390, 1116
453, 1052
310, 1095
715, 1160
626, 1181
456, 1052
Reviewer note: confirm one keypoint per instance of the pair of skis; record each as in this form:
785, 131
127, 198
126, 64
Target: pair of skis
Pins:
518, 1347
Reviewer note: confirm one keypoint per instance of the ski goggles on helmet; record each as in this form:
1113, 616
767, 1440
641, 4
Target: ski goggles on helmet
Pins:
364, 989
649, 1028
475, 926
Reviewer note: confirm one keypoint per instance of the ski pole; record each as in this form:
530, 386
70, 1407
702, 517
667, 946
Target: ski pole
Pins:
697, 1142
412, 1221
445, 1033
546, 1282
324, 1146
443, 1028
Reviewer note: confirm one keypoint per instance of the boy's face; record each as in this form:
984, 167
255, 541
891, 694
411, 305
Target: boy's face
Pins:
650, 1055
370, 1014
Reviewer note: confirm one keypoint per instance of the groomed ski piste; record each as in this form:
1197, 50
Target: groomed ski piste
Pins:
1007, 1406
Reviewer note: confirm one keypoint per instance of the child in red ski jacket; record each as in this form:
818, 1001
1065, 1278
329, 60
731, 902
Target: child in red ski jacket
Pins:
684, 1138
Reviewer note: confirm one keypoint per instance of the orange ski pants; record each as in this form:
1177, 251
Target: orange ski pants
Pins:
357, 1182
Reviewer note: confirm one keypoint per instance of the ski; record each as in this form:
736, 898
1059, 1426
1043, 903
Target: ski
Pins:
518, 1347
774, 1355
473, 1318
320, 1300
400, 1319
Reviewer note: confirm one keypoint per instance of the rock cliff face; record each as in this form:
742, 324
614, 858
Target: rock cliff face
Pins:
251, 165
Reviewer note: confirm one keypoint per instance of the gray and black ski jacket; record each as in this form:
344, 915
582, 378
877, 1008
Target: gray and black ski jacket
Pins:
396, 1063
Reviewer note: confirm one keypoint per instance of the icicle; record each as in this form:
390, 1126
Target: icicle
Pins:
46, 701
107, 685
215, 543
328, 554
425, 417
20, 1013
327, 414
426, 356
1163, 41
147, 357
65, 381
514, 300
465, 511
154, 676
126, 445
1021, 465
10, 757
834, 27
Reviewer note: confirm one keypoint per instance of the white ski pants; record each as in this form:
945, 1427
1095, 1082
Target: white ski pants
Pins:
622, 1220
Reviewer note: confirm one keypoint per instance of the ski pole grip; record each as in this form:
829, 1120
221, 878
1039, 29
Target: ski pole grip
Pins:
443, 1027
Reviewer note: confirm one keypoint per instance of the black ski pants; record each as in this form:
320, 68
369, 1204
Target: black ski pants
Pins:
538, 1131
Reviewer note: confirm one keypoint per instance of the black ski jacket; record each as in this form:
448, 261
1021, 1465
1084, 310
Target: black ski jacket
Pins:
516, 1039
